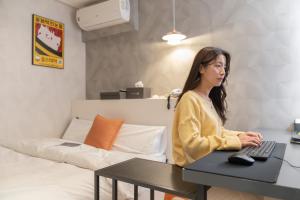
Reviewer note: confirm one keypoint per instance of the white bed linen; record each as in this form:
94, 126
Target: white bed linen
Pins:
57, 172
26, 177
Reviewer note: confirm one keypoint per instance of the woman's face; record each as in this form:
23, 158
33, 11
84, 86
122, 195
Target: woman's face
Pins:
214, 73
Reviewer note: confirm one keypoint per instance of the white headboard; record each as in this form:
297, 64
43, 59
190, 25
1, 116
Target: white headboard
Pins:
134, 111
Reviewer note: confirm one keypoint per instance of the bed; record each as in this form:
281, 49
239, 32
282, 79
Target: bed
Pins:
62, 168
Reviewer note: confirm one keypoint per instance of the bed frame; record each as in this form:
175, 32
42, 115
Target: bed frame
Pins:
134, 111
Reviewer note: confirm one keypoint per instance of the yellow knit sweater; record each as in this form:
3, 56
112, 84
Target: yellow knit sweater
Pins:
198, 130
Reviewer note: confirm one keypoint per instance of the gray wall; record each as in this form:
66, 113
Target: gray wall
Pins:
262, 36
36, 101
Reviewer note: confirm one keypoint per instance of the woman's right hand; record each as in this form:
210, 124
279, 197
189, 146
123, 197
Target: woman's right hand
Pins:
250, 139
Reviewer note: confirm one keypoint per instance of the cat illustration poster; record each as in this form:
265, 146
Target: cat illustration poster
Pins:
47, 42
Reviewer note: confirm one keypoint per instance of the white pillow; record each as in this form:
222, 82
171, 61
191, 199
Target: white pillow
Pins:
77, 130
141, 139
132, 138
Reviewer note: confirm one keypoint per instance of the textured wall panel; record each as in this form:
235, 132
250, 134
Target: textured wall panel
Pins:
262, 36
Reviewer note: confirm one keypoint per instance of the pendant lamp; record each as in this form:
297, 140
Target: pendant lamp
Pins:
174, 37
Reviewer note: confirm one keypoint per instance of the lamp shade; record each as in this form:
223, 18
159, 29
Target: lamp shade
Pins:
174, 37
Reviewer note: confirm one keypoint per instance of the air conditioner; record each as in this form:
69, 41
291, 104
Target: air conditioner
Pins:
104, 14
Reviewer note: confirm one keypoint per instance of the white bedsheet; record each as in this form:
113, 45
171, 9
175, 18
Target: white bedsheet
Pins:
47, 170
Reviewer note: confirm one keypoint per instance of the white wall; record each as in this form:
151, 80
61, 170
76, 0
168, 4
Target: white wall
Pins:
36, 101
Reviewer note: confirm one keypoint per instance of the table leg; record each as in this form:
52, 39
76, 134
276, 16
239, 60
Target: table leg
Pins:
201, 192
96, 187
151, 194
114, 189
135, 192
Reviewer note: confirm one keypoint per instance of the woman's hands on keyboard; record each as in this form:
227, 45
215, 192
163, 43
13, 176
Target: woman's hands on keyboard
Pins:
250, 139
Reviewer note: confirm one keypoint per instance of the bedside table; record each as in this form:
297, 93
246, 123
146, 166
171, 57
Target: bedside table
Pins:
149, 174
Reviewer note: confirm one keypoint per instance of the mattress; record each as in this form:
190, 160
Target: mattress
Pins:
48, 169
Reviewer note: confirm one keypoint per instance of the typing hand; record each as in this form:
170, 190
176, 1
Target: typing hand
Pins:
250, 139
255, 134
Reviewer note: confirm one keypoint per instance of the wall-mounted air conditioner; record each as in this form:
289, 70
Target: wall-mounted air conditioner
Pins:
104, 14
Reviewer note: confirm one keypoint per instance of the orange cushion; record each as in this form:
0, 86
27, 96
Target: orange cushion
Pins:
103, 132
173, 197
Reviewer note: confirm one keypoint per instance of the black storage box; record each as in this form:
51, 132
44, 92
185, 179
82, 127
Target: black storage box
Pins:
110, 95
297, 125
138, 93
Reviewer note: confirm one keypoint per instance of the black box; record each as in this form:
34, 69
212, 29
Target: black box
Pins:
297, 125
110, 95
138, 93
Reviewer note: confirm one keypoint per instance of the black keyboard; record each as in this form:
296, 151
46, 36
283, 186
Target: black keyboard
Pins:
262, 152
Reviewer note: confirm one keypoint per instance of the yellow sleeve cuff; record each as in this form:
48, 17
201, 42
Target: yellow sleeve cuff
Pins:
226, 132
232, 143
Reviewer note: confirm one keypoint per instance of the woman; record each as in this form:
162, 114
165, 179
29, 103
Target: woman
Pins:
201, 111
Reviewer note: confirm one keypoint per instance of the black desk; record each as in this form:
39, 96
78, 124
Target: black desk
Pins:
149, 174
286, 187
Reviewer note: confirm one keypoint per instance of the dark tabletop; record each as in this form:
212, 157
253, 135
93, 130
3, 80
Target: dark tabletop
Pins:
151, 174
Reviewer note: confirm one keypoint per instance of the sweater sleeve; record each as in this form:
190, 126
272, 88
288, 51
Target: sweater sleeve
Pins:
194, 143
230, 132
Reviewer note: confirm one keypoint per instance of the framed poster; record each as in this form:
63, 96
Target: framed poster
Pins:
47, 42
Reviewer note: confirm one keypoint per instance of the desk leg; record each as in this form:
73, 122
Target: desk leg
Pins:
114, 189
151, 194
96, 187
201, 193
135, 192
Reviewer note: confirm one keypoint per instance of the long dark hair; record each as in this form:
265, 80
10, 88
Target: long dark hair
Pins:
217, 94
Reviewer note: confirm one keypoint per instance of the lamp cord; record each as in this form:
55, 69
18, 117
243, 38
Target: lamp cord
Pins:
174, 16
292, 165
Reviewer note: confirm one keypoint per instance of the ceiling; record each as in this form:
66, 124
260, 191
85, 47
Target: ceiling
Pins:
78, 3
